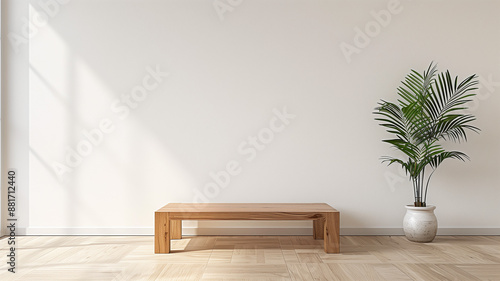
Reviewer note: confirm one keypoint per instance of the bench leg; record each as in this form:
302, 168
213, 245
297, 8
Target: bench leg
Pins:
318, 228
332, 233
162, 233
176, 229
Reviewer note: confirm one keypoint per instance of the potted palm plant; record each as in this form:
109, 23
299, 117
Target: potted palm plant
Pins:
429, 110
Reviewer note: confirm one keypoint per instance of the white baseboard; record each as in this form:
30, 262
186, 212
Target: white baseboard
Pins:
242, 231
371, 231
85, 231
399, 231
468, 231
248, 231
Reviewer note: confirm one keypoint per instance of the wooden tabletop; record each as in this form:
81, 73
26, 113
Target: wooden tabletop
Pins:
247, 207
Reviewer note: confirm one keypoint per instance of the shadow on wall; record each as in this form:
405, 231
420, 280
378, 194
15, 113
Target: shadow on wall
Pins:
219, 99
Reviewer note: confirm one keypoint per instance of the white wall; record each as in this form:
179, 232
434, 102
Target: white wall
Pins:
15, 114
229, 75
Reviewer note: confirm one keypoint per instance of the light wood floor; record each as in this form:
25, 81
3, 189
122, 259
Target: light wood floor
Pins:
263, 258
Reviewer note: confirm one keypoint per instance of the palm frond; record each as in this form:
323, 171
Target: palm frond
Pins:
447, 97
436, 160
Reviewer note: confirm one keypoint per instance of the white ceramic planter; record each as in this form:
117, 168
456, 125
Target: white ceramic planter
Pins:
420, 223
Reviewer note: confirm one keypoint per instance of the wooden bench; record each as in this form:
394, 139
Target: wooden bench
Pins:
168, 220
